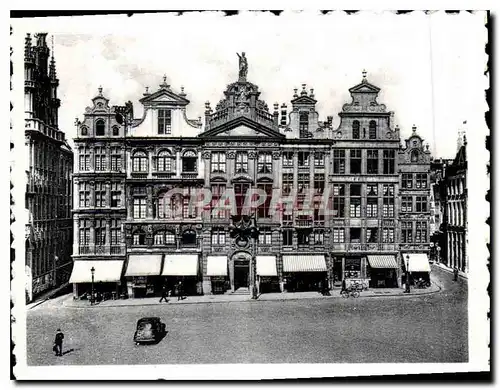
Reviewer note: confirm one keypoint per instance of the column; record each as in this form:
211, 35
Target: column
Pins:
200, 165
108, 235
149, 202
206, 171
76, 226
252, 158
231, 274
178, 165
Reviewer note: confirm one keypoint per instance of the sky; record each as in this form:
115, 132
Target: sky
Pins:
429, 66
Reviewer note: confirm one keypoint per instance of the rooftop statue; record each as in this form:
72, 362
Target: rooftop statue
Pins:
243, 67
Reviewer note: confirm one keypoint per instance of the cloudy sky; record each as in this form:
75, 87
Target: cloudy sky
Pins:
429, 67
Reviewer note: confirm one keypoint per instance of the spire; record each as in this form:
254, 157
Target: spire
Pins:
27, 46
52, 66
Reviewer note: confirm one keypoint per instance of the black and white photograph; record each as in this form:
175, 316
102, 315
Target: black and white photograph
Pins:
249, 195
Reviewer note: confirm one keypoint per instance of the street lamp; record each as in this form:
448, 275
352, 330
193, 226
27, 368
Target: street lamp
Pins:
92, 271
407, 289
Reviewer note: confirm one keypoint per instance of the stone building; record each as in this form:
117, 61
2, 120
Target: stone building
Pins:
48, 174
326, 201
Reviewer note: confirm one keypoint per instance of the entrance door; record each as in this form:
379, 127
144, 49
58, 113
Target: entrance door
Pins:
241, 274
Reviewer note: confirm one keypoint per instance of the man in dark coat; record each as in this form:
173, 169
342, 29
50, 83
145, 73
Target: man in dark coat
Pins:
58, 342
179, 291
164, 294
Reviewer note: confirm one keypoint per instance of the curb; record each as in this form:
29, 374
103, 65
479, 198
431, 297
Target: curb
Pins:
449, 270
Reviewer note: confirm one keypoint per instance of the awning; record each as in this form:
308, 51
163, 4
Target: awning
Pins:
382, 261
144, 265
180, 265
105, 271
418, 262
266, 266
217, 266
304, 263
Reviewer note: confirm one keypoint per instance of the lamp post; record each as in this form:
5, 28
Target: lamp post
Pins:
92, 271
407, 289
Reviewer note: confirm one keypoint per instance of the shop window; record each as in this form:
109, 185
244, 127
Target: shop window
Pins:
159, 238
169, 238
355, 161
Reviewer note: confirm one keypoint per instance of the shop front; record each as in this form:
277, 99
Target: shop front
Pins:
304, 273
382, 271
143, 275
418, 266
267, 275
102, 275
180, 272
217, 270
355, 271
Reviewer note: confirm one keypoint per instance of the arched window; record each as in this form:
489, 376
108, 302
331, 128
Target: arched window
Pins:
164, 162
355, 129
84, 130
116, 130
139, 238
139, 162
189, 162
372, 132
99, 127
189, 238
414, 156
303, 125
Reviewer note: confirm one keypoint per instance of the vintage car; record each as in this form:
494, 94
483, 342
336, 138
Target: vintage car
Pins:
149, 330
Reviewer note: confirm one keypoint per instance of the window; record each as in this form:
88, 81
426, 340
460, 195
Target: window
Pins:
338, 201
100, 158
139, 208
84, 194
421, 204
283, 117
84, 233
263, 209
302, 183
407, 180
189, 162
421, 181
319, 159
355, 161
388, 235
287, 237
158, 238
318, 214
372, 235
217, 191
372, 161
218, 162
84, 159
265, 163
371, 201
303, 159
265, 236
372, 131
188, 238
303, 236
100, 194
319, 183
319, 237
355, 129
116, 159
406, 204
164, 122
303, 125
218, 236
339, 161
389, 162
414, 156
84, 130
99, 127
140, 162
355, 201
288, 159
287, 184
116, 195
338, 235
240, 190
164, 161
116, 130
355, 235
100, 232
139, 238
116, 232
169, 208
406, 232
188, 209
421, 232
388, 200
169, 238
241, 162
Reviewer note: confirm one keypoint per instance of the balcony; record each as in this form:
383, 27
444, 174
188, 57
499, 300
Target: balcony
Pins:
163, 175
189, 175
101, 250
139, 175
304, 223
117, 250
85, 250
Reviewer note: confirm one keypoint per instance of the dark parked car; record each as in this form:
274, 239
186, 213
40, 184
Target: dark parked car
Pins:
149, 330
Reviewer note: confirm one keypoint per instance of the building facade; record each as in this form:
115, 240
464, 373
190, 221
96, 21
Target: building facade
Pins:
326, 200
48, 200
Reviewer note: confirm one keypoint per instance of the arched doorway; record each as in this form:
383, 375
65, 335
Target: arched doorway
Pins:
241, 270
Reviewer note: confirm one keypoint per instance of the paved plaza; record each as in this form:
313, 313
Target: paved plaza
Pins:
370, 329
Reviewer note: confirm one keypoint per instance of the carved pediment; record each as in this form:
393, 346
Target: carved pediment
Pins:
242, 127
364, 87
165, 96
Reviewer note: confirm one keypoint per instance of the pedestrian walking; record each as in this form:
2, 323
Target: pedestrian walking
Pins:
179, 290
455, 274
164, 294
58, 342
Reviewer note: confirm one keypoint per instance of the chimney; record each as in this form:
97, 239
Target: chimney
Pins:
283, 115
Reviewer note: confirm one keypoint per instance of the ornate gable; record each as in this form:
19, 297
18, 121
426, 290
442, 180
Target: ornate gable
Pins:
165, 96
241, 127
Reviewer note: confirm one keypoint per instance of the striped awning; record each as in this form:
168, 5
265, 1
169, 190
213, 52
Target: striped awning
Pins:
144, 265
382, 261
266, 266
304, 263
180, 265
418, 262
104, 271
217, 266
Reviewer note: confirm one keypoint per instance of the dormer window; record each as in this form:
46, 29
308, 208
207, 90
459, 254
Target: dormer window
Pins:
99, 127
372, 132
303, 125
164, 122
355, 130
